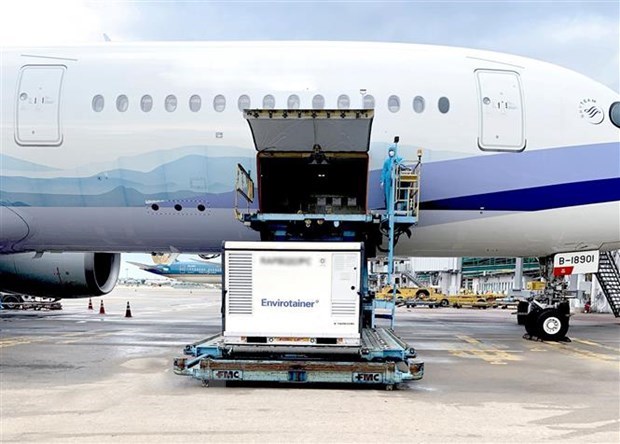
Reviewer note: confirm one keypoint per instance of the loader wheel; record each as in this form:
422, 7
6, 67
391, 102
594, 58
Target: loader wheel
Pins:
444, 303
11, 302
552, 325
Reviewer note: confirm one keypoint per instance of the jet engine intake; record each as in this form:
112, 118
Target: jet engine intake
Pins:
59, 275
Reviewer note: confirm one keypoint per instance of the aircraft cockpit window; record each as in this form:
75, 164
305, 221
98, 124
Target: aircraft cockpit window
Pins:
293, 101
244, 102
146, 103
219, 103
98, 103
343, 101
369, 101
419, 104
170, 103
394, 104
444, 105
122, 103
614, 113
318, 102
195, 103
269, 102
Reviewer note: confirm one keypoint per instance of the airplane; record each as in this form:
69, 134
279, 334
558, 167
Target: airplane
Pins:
186, 271
135, 147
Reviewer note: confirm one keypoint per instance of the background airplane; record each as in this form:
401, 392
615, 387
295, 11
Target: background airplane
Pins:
186, 271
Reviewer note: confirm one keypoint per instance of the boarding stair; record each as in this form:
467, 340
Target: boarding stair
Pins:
609, 279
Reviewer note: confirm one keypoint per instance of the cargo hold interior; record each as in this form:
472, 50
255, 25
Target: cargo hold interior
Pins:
332, 183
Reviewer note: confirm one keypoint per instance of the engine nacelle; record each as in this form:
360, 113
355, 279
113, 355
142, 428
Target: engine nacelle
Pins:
59, 275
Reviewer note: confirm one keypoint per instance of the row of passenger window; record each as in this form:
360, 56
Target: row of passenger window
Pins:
269, 102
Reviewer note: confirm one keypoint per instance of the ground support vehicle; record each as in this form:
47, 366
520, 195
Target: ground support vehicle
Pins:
382, 358
470, 300
416, 295
11, 301
413, 303
296, 306
507, 302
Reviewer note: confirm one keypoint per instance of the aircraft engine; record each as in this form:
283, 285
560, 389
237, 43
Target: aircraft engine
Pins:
59, 275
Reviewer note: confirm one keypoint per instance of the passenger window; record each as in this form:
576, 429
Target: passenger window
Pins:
269, 102
122, 103
444, 105
244, 102
419, 104
369, 102
343, 101
318, 102
614, 113
98, 103
146, 103
219, 103
170, 103
195, 103
293, 101
393, 104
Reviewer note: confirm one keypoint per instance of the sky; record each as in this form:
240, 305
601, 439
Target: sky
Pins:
580, 35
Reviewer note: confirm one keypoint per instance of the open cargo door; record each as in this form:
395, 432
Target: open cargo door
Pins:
311, 161
300, 130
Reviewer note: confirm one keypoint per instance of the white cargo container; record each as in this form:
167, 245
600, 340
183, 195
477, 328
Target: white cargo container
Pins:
292, 293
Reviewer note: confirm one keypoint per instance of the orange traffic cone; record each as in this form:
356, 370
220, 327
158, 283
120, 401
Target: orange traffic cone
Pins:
90, 304
101, 308
128, 311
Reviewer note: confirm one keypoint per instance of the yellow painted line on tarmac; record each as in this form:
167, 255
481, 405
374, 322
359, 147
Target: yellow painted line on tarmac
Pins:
80, 336
489, 354
17, 340
571, 350
596, 344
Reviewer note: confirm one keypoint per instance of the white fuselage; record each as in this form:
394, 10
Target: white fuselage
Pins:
519, 165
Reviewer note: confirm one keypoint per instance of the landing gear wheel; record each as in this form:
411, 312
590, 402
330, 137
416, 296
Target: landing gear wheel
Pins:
552, 325
530, 322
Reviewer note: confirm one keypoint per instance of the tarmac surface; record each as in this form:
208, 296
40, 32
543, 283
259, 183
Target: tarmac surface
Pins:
75, 375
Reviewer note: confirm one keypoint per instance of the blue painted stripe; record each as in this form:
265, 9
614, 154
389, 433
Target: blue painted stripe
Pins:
493, 173
534, 199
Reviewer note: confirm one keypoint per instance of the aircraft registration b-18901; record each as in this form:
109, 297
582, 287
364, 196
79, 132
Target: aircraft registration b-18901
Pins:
135, 148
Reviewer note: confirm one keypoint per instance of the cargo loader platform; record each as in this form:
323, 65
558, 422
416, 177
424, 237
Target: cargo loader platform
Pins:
382, 359
295, 305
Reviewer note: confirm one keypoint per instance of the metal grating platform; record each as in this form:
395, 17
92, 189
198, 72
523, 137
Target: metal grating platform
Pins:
383, 358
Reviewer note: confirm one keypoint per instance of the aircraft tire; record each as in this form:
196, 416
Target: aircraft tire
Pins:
552, 324
530, 323
522, 312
